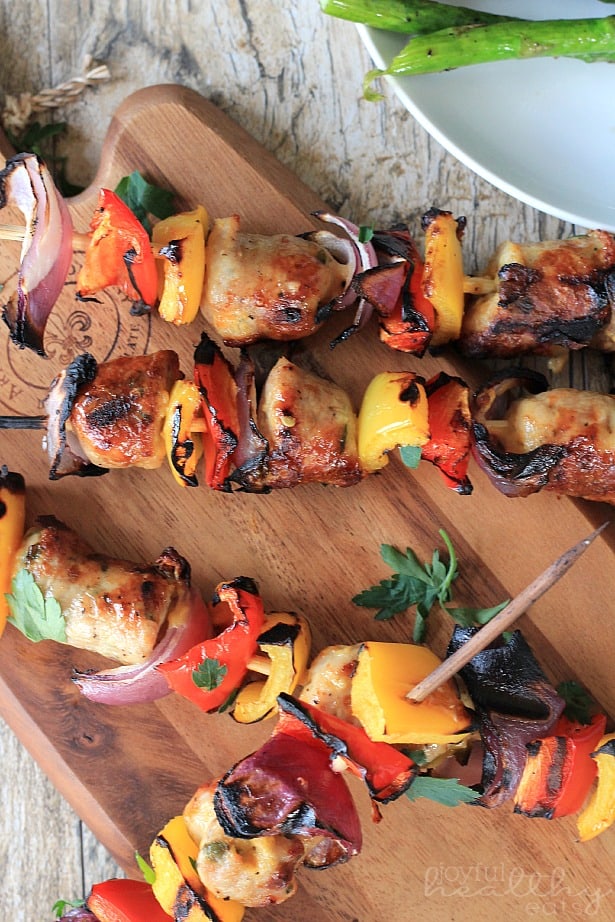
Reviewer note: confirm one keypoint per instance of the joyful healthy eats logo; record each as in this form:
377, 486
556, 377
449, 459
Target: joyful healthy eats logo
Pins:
106, 329
536, 894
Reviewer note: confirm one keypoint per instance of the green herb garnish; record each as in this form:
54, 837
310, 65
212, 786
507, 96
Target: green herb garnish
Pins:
149, 875
446, 791
144, 199
35, 139
209, 674
38, 617
412, 583
366, 232
420, 585
60, 906
579, 703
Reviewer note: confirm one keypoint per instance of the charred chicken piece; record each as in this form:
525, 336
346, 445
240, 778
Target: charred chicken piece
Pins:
254, 872
117, 416
311, 429
561, 440
112, 607
550, 295
276, 287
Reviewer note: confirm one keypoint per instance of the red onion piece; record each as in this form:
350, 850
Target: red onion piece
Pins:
365, 258
46, 251
143, 683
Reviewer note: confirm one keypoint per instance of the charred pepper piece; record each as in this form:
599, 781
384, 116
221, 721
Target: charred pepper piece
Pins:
211, 671
394, 412
179, 242
119, 253
285, 640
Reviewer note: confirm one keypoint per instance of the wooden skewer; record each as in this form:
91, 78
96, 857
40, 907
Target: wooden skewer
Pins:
261, 664
502, 620
472, 285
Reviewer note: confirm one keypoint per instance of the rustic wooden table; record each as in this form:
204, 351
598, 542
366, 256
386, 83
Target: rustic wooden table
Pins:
292, 78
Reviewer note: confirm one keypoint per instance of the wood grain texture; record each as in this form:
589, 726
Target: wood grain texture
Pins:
280, 74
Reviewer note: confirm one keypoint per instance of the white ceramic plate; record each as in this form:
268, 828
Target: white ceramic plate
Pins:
542, 130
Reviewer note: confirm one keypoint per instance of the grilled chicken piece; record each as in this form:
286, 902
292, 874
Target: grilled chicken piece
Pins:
260, 287
329, 681
561, 440
310, 427
110, 606
549, 295
255, 872
118, 417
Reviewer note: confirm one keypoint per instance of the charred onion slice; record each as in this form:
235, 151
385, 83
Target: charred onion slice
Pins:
386, 771
143, 682
63, 449
46, 251
287, 787
365, 258
515, 705
577, 457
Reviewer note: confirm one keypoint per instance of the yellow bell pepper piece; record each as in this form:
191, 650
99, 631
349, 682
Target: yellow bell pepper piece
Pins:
385, 673
599, 813
12, 524
180, 242
183, 446
286, 641
173, 855
394, 412
443, 273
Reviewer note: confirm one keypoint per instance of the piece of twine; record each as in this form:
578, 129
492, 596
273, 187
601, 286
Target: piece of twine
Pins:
18, 110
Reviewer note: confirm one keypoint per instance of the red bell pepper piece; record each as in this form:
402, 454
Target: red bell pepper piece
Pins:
215, 380
450, 423
410, 325
386, 771
212, 670
584, 739
559, 771
119, 253
119, 900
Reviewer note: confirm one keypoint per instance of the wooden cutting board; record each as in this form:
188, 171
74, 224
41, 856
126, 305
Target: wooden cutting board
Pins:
126, 770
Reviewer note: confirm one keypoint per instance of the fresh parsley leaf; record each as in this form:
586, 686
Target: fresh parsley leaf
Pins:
36, 616
60, 906
420, 585
366, 232
579, 703
149, 875
144, 199
209, 674
410, 455
469, 617
446, 791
